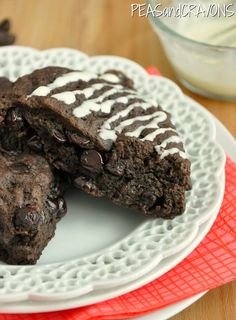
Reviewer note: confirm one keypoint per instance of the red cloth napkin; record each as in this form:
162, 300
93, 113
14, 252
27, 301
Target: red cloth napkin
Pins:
211, 264
153, 71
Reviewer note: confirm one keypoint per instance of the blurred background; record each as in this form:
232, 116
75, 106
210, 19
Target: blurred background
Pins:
96, 27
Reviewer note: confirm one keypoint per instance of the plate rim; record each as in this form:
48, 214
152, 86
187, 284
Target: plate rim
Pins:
99, 284
154, 314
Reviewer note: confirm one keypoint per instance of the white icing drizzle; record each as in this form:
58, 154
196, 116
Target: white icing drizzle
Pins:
98, 104
89, 92
86, 109
110, 77
124, 100
157, 117
167, 152
151, 136
103, 104
42, 91
173, 139
71, 77
91, 105
64, 80
105, 95
69, 97
107, 133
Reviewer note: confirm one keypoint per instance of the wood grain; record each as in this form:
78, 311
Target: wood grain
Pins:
106, 27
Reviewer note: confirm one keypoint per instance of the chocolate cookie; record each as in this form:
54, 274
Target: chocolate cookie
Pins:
30, 206
14, 130
112, 142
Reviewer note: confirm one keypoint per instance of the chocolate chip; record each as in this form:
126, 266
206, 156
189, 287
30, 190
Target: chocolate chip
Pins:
20, 239
52, 205
62, 208
55, 188
10, 142
57, 207
34, 143
63, 165
92, 161
117, 170
20, 166
79, 140
6, 38
58, 135
14, 118
14, 115
27, 220
149, 199
88, 186
5, 25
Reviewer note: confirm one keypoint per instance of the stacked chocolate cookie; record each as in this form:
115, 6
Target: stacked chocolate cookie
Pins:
31, 201
98, 131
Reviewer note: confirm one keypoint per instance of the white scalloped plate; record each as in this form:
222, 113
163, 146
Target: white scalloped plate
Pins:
229, 144
98, 245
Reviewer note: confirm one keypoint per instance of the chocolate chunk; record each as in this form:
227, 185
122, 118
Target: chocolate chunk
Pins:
88, 186
62, 208
27, 220
79, 139
57, 207
20, 166
34, 143
149, 199
55, 188
14, 115
92, 161
58, 135
6, 38
117, 170
5, 25
10, 143
52, 204
8, 152
14, 119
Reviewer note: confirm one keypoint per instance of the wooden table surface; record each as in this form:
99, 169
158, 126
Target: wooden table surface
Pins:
106, 27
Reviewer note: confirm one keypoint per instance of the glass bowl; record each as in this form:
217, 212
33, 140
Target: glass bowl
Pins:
203, 67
